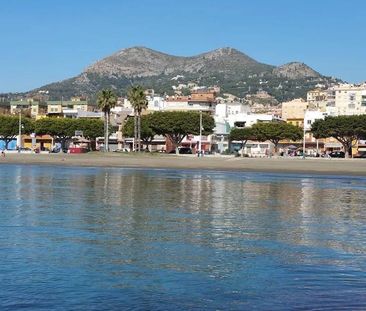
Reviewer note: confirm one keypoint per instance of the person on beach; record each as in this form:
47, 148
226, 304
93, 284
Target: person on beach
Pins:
3, 153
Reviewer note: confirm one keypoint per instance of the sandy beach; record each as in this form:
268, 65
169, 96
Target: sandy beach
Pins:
355, 167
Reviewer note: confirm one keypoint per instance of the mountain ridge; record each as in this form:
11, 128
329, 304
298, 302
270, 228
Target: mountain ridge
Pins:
232, 70
120, 62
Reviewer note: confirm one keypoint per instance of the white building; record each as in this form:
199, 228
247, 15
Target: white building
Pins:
196, 102
346, 99
247, 119
155, 103
258, 149
311, 116
230, 115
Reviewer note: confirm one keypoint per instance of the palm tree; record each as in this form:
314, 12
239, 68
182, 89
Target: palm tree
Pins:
106, 101
137, 98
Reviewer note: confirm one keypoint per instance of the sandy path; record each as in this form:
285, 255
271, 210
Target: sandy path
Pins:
288, 165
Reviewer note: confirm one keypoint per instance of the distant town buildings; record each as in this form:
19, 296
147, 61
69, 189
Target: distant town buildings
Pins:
317, 99
228, 110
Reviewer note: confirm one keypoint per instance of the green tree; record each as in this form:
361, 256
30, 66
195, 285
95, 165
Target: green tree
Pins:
106, 100
346, 129
92, 128
9, 128
276, 131
138, 100
243, 135
175, 125
61, 129
147, 133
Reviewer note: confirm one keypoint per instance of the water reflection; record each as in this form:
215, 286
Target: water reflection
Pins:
242, 238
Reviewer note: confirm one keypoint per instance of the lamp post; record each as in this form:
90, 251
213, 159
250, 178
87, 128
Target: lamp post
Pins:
304, 135
304, 142
200, 142
317, 146
20, 131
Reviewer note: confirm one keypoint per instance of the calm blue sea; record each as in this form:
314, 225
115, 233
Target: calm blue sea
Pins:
128, 239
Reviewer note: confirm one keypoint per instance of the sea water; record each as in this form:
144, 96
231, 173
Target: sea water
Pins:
134, 239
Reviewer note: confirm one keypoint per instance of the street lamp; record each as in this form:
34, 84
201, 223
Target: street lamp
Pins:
303, 142
304, 136
20, 131
200, 142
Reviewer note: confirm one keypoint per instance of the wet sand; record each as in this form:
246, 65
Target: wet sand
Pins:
355, 167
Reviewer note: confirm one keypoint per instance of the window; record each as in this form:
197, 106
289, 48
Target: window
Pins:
363, 101
239, 124
309, 122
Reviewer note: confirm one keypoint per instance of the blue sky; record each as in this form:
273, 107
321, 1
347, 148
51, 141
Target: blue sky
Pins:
44, 41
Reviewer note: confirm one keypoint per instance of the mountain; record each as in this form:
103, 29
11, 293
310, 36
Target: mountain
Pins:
232, 70
296, 70
143, 62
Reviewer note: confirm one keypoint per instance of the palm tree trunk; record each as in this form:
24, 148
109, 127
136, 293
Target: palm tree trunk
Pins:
139, 131
107, 134
135, 132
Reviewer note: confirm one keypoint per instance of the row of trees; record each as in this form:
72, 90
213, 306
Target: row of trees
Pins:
174, 125
345, 129
272, 131
61, 129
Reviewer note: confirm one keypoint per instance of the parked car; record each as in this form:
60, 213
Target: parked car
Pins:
183, 150
361, 155
337, 154
121, 150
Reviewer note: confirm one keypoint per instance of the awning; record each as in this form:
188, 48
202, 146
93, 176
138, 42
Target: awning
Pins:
80, 140
332, 145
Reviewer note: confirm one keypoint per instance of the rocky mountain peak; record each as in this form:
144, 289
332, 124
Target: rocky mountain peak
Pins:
295, 70
232, 70
145, 62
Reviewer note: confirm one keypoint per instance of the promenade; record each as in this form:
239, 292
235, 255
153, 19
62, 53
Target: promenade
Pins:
355, 167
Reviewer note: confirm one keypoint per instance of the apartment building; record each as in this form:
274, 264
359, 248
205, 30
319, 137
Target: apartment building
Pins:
317, 99
294, 111
68, 109
346, 99
199, 100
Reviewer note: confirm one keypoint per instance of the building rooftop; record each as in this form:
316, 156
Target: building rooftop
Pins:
67, 102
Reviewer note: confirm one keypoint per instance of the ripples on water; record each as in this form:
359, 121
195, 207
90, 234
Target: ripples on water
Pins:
113, 239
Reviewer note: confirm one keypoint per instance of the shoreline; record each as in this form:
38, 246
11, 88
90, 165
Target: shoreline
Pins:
316, 166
